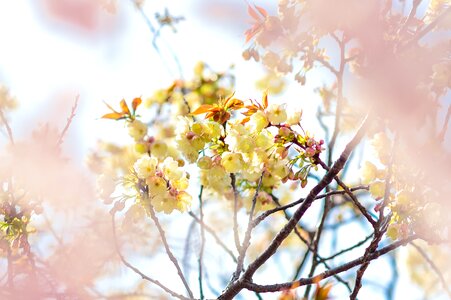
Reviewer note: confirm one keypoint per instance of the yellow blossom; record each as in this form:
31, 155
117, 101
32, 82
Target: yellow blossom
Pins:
232, 162
368, 172
258, 121
159, 149
157, 185
294, 117
137, 129
276, 114
171, 169
180, 184
377, 189
145, 166
204, 162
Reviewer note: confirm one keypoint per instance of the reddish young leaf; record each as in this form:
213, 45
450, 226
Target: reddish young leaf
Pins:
322, 292
234, 104
135, 103
202, 109
113, 116
262, 11
124, 107
253, 13
245, 120
210, 114
109, 106
265, 99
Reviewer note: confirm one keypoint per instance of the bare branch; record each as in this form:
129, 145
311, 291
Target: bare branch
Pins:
269, 212
137, 271
236, 287
8, 128
348, 192
425, 30
310, 248
236, 235
247, 235
171, 256
202, 241
326, 64
379, 228
68, 122
349, 248
442, 134
338, 110
413, 11
215, 236
326, 274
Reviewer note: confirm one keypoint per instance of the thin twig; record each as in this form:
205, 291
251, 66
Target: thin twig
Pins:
370, 250
338, 111
171, 256
356, 202
379, 228
348, 192
326, 64
236, 287
8, 129
186, 267
236, 235
349, 248
202, 242
326, 209
425, 30
326, 274
265, 214
155, 35
68, 122
310, 247
137, 271
215, 236
441, 136
413, 11
341, 223
247, 236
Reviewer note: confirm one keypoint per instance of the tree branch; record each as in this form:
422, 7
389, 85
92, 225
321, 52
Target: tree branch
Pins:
425, 30
349, 248
215, 236
8, 129
235, 288
269, 212
68, 122
168, 250
202, 242
247, 235
137, 271
326, 274
236, 235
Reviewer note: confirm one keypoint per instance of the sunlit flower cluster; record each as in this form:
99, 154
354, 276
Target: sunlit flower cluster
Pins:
165, 183
245, 148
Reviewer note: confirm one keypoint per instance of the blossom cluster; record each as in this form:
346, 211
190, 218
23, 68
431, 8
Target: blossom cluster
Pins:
165, 183
243, 148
